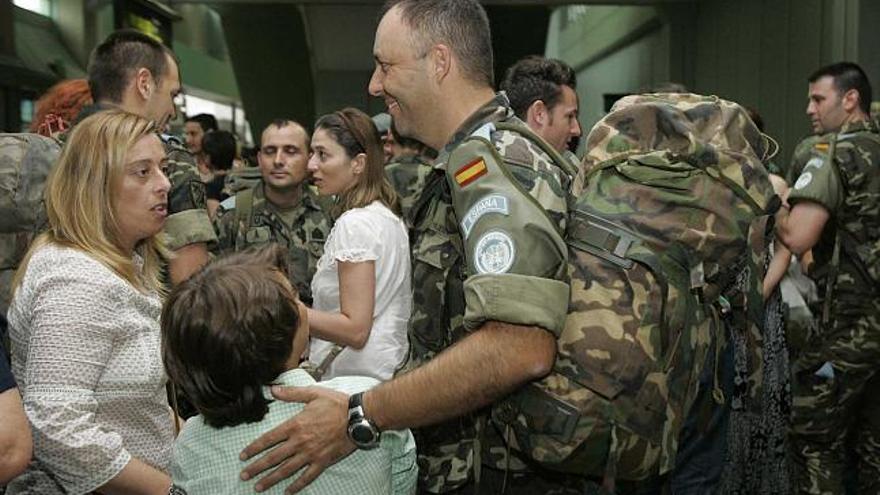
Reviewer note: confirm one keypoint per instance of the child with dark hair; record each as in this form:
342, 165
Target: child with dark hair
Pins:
228, 334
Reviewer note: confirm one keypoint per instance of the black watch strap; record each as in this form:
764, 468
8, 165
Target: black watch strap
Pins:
355, 401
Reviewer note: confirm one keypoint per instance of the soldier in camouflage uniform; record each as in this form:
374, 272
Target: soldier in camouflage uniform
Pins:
542, 92
281, 208
489, 266
409, 166
836, 212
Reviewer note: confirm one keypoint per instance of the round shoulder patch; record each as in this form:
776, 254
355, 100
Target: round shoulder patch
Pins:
804, 180
495, 252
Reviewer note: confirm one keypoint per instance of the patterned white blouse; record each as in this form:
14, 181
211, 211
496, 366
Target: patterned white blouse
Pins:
85, 352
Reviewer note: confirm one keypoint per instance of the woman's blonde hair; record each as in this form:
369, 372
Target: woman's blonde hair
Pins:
80, 194
356, 133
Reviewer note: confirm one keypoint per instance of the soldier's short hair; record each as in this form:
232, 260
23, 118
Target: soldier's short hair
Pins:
462, 25
114, 62
536, 78
242, 308
847, 76
282, 122
205, 120
220, 147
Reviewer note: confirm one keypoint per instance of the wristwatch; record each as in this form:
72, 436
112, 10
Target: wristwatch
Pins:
361, 430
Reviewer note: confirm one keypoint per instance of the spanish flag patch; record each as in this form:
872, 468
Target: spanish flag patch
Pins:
821, 146
470, 172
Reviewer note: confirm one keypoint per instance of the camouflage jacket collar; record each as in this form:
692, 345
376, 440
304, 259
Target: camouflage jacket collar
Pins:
860, 126
409, 160
496, 110
308, 200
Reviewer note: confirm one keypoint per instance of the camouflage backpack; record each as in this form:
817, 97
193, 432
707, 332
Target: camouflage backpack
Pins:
665, 240
25, 163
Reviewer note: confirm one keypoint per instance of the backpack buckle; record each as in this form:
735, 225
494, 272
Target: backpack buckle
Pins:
601, 238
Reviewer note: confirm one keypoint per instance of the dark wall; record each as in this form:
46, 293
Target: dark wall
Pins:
270, 57
517, 31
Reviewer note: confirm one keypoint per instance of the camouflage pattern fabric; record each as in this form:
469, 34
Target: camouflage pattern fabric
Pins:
241, 179
835, 385
443, 258
407, 175
302, 230
671, 210
188, 221
799, 158
25, 163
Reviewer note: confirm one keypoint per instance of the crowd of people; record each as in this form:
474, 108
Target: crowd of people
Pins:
440, 299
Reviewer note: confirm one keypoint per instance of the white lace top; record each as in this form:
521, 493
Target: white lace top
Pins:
85, 352
372, 233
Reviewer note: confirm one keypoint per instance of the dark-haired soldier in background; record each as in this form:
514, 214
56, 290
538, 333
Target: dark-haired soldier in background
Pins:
138, 74
835, 211
542, 93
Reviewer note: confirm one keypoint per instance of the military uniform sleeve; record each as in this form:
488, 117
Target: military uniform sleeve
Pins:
819, 181
225, 229
515, 255
188, 220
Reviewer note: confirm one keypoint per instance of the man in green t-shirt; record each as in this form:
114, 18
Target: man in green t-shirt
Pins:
834, 212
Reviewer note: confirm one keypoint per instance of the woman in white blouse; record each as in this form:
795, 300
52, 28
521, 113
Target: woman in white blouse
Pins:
362, 297
84, 319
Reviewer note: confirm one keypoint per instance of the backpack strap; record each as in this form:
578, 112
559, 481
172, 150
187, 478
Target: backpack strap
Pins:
244, 210
834, 267
529, 134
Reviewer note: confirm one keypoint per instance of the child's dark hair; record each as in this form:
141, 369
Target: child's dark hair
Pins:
228, 331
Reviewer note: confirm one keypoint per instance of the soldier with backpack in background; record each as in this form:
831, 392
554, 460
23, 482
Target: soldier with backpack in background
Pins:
280, 208
835, 212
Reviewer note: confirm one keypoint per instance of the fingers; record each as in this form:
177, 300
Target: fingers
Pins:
305, 478
282, 472
272, 458
268, 440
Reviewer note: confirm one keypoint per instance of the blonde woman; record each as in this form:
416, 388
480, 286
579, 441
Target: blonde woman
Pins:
84, 319
361, 289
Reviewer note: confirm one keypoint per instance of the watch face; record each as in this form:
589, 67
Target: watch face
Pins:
362, 434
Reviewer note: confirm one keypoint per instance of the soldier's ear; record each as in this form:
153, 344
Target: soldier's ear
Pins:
850, 100
143, 83
440, 58
537, 114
